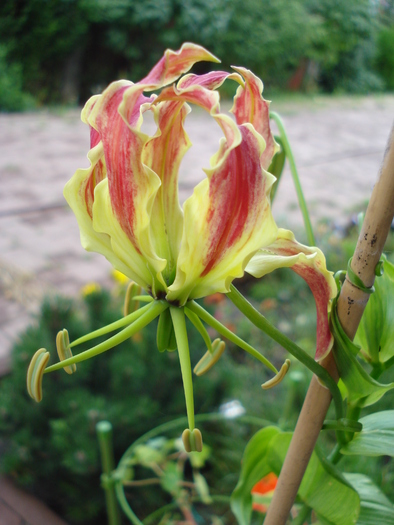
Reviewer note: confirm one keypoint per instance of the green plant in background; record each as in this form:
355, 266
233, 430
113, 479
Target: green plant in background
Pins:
134, 387
385, 55
12, 96
67, 50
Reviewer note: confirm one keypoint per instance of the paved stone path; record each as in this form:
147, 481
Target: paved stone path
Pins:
338, 145
19, 508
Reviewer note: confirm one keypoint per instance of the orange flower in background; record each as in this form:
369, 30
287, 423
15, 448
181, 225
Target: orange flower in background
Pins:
264, 487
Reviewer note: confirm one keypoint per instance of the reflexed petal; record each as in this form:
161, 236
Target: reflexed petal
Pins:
163, 154
123, 202
250, 106
176, 63
79, 193
310, 264
227, 219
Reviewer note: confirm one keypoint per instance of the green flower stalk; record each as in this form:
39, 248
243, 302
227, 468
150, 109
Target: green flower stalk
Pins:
127, 207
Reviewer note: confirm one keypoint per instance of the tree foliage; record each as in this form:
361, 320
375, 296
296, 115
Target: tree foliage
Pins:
66, 50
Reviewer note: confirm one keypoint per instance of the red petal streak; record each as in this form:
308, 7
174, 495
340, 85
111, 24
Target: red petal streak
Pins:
236, 190
122, 150
250, 106
97, 175
211, 80
322, 294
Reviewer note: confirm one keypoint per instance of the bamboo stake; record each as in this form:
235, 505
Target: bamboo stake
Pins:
351, 304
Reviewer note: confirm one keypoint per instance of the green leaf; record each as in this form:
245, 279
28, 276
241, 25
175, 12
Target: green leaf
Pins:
277, 165
172, 476
375, 508
146, 455
323, 489
202, 488
376, 330
376, 437
255, 466
362, 389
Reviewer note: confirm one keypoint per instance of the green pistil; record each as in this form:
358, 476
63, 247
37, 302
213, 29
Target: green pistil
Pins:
178, 319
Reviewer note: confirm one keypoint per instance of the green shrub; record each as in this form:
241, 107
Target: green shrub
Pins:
385, 55
51, 448
12, 96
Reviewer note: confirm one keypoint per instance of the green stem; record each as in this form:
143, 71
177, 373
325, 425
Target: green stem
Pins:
154, 309
296, 179
124, 321
178, 319
104, 434
125, 505
261, 322
225, 332
335, 456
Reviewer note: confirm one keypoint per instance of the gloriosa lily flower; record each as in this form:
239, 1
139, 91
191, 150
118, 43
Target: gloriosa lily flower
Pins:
127, 207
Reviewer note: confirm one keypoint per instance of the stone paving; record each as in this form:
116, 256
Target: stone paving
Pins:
338, 145
19, 508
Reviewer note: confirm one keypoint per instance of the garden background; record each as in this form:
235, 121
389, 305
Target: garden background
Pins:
55, 54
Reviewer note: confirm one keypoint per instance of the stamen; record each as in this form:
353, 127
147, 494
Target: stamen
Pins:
225, 332
64, 350
133, 290
279, 376
111, 327
196, 321
151, 311
192, 440
209, 359
35, 373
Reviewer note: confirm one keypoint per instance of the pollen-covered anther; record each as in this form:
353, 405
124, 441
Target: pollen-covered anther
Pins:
35, 373
279, 376
64, 350
192, 440
209, 359
130, 305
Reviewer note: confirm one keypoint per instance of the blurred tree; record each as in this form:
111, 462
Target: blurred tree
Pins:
345, 49
271, 38
66, 50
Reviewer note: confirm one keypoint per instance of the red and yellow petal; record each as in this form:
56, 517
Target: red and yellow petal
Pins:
163, 153
176, 63
310, 264
79, 193
250, 106
227, 219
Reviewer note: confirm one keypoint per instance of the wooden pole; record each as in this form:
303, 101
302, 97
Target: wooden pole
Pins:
351, 305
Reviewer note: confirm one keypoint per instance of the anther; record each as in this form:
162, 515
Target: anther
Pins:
35, 373
279, 376
192, 440
64, 350
209, 359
